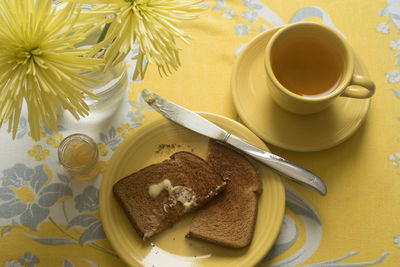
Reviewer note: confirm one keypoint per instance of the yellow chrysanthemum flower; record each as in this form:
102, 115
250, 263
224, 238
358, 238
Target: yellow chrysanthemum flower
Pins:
40, 64
152, 24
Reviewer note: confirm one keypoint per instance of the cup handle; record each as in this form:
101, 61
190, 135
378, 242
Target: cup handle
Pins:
360, 87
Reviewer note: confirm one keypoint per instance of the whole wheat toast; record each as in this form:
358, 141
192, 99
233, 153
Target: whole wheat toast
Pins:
229, 219
183, 183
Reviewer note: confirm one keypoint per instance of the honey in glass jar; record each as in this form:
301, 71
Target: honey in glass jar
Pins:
79, 155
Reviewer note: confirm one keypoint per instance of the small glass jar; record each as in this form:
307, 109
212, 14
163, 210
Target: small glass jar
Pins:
79, 155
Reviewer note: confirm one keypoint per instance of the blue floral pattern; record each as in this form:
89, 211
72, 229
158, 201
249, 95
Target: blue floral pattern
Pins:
395, 158
88, 200
250, 15
112, 139
92, 225
392, 9
28, 260
32, 213
136, 114
242, 29
22, 127
383, 27
393, 76
228, 13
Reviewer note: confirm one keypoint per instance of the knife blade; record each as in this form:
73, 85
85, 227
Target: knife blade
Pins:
197, 123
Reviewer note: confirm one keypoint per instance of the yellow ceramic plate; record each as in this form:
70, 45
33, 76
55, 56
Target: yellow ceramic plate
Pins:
281, 128
153, 143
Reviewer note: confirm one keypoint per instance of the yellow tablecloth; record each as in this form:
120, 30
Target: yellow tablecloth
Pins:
47, 219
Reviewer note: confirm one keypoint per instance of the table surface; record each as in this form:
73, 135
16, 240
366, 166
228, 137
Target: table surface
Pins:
49, 219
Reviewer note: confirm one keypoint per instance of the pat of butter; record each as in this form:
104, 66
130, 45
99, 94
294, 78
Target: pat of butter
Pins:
179, 193
155, 189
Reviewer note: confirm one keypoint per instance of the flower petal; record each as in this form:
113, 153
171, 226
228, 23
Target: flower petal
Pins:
34, 215
12, 208
52, 193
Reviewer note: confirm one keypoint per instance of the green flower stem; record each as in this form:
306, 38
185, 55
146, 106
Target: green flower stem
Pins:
96, 246
64, 211
62, 230
92, 245
103, 33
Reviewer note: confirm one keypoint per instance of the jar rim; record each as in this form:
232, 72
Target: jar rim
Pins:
63, 145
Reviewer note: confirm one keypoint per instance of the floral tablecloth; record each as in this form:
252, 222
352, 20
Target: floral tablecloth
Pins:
49, 219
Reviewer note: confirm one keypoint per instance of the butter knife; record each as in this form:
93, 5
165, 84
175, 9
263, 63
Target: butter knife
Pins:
197, 123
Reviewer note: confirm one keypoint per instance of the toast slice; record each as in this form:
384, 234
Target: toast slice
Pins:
229, 219
156, 196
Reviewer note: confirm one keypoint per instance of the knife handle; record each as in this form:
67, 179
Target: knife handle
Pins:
281, 165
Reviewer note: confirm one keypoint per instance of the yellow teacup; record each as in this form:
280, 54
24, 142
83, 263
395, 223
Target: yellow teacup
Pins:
308, 65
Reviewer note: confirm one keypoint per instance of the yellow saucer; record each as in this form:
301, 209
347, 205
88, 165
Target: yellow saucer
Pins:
155, 142
281, 128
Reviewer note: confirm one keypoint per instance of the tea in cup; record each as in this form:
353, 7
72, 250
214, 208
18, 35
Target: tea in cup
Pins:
308, 65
